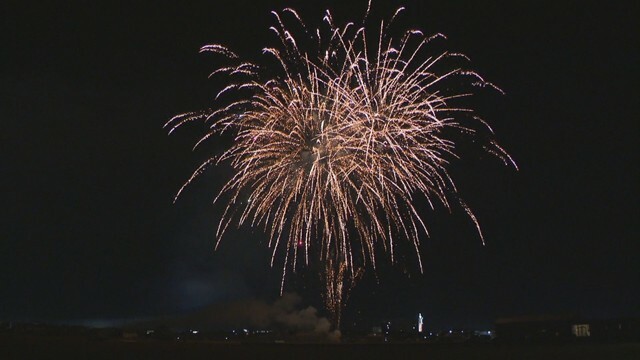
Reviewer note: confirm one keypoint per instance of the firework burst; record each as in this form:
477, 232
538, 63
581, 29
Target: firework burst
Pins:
331, 153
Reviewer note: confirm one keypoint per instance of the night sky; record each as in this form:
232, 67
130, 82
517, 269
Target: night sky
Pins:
88, 229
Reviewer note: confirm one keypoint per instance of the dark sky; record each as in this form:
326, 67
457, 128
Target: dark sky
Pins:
88, 229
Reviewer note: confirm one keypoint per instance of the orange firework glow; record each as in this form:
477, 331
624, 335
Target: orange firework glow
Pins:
331, 153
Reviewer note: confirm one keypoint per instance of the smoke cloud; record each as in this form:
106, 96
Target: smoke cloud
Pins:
284, 316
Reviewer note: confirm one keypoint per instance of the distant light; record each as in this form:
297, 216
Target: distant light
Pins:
450, 331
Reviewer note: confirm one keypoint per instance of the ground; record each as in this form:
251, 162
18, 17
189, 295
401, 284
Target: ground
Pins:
12, 347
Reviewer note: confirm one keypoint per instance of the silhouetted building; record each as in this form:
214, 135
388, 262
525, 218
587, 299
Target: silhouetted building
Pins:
564, 327
536, 328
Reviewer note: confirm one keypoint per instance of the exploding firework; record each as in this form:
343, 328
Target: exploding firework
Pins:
332, 154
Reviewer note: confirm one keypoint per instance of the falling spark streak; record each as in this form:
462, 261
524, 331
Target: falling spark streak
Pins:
330, 154
339, 283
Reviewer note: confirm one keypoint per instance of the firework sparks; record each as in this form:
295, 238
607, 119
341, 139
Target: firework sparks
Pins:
339, 281
331, 154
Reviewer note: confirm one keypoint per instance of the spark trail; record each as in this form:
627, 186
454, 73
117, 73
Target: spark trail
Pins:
332, 154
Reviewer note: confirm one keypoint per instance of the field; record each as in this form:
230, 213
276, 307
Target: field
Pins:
33, 347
